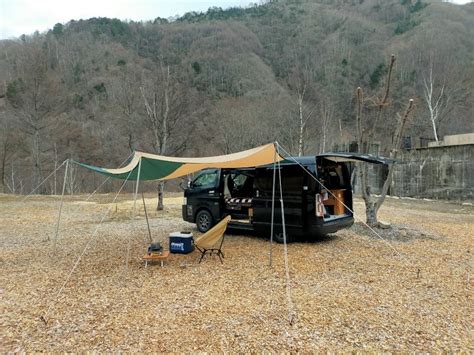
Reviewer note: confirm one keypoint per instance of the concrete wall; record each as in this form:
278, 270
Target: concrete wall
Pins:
445, 172
458, 139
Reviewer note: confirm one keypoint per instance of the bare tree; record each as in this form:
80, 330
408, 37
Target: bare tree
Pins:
126, 95
365, 133
243, 124
35, 98
325, 121
300, 83
8, 145
440, 97
166, 107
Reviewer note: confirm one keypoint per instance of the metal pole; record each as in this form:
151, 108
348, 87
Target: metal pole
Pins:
60, 207
282, 206
273, 206
285, 246
134, 210
146, 216
71, 182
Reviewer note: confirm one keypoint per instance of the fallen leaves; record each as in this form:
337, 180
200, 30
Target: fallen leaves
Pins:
350, 291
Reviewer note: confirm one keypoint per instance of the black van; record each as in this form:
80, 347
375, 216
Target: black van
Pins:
246, 195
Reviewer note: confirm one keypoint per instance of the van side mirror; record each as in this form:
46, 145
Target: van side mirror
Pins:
185, 184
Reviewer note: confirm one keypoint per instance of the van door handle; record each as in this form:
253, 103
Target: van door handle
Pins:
211, 192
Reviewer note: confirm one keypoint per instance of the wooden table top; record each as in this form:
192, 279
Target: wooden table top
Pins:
154, 256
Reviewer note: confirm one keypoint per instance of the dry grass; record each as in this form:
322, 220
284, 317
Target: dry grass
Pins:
350, 291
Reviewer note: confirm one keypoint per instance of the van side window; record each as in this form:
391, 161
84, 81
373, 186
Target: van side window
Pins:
264, 182
207, 179
292, 181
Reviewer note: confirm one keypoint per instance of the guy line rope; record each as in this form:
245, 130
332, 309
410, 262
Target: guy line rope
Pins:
352, 211
58, 294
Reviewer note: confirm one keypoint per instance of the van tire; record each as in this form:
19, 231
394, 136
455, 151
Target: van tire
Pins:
278, 237
204, 221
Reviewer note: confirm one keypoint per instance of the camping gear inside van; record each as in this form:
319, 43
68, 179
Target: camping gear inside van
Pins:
317, 196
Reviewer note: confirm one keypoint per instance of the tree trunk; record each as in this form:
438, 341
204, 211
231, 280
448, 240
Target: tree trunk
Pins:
3, 190
300, 141
435, 133
13, 187
37, 161
161, 186
55, 168
4, 163
371, 213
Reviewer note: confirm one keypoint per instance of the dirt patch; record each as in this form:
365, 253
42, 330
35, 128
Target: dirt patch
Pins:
394, 232
350, 291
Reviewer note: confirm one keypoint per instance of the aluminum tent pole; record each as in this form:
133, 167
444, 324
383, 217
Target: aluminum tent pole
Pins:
78, 260
147, 222
134, 210
285, 246
273, 205
56, 233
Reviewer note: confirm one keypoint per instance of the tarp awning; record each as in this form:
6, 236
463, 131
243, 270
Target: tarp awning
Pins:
159, 167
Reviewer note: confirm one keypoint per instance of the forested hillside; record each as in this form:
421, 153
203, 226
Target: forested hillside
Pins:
226, 80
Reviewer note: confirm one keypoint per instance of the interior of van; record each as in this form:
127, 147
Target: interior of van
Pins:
334, 189
239, 189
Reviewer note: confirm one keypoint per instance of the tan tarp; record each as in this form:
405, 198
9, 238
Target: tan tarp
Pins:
159, 167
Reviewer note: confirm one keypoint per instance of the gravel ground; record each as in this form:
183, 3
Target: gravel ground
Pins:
351, 291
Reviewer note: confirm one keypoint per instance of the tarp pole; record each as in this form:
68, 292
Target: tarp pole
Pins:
273, 206
134, 210
147, 222
71, 181
56, 233
78, 260
287, 269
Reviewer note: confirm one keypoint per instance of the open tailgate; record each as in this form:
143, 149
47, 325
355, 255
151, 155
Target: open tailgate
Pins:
356, 157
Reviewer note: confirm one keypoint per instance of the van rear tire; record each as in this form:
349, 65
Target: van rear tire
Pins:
204, 221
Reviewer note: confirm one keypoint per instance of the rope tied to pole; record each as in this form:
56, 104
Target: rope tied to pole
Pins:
43, 318
56, 233
342, 202
291, 308
42, 182
107, 179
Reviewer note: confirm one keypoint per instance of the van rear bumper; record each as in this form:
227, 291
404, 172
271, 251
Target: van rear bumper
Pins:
333, 226
318, 227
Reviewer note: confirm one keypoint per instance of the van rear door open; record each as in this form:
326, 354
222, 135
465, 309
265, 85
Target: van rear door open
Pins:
356, 157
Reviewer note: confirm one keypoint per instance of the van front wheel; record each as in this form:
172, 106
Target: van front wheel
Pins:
278, 237
204, 221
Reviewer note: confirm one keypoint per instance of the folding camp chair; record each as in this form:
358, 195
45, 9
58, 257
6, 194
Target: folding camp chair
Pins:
212, 240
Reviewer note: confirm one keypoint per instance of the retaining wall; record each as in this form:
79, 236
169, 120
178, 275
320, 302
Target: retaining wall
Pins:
445, 172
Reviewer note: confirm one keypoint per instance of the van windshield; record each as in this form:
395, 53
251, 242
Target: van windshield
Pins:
206, 179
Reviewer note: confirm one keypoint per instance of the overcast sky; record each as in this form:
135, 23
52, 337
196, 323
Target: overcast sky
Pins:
19, 17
